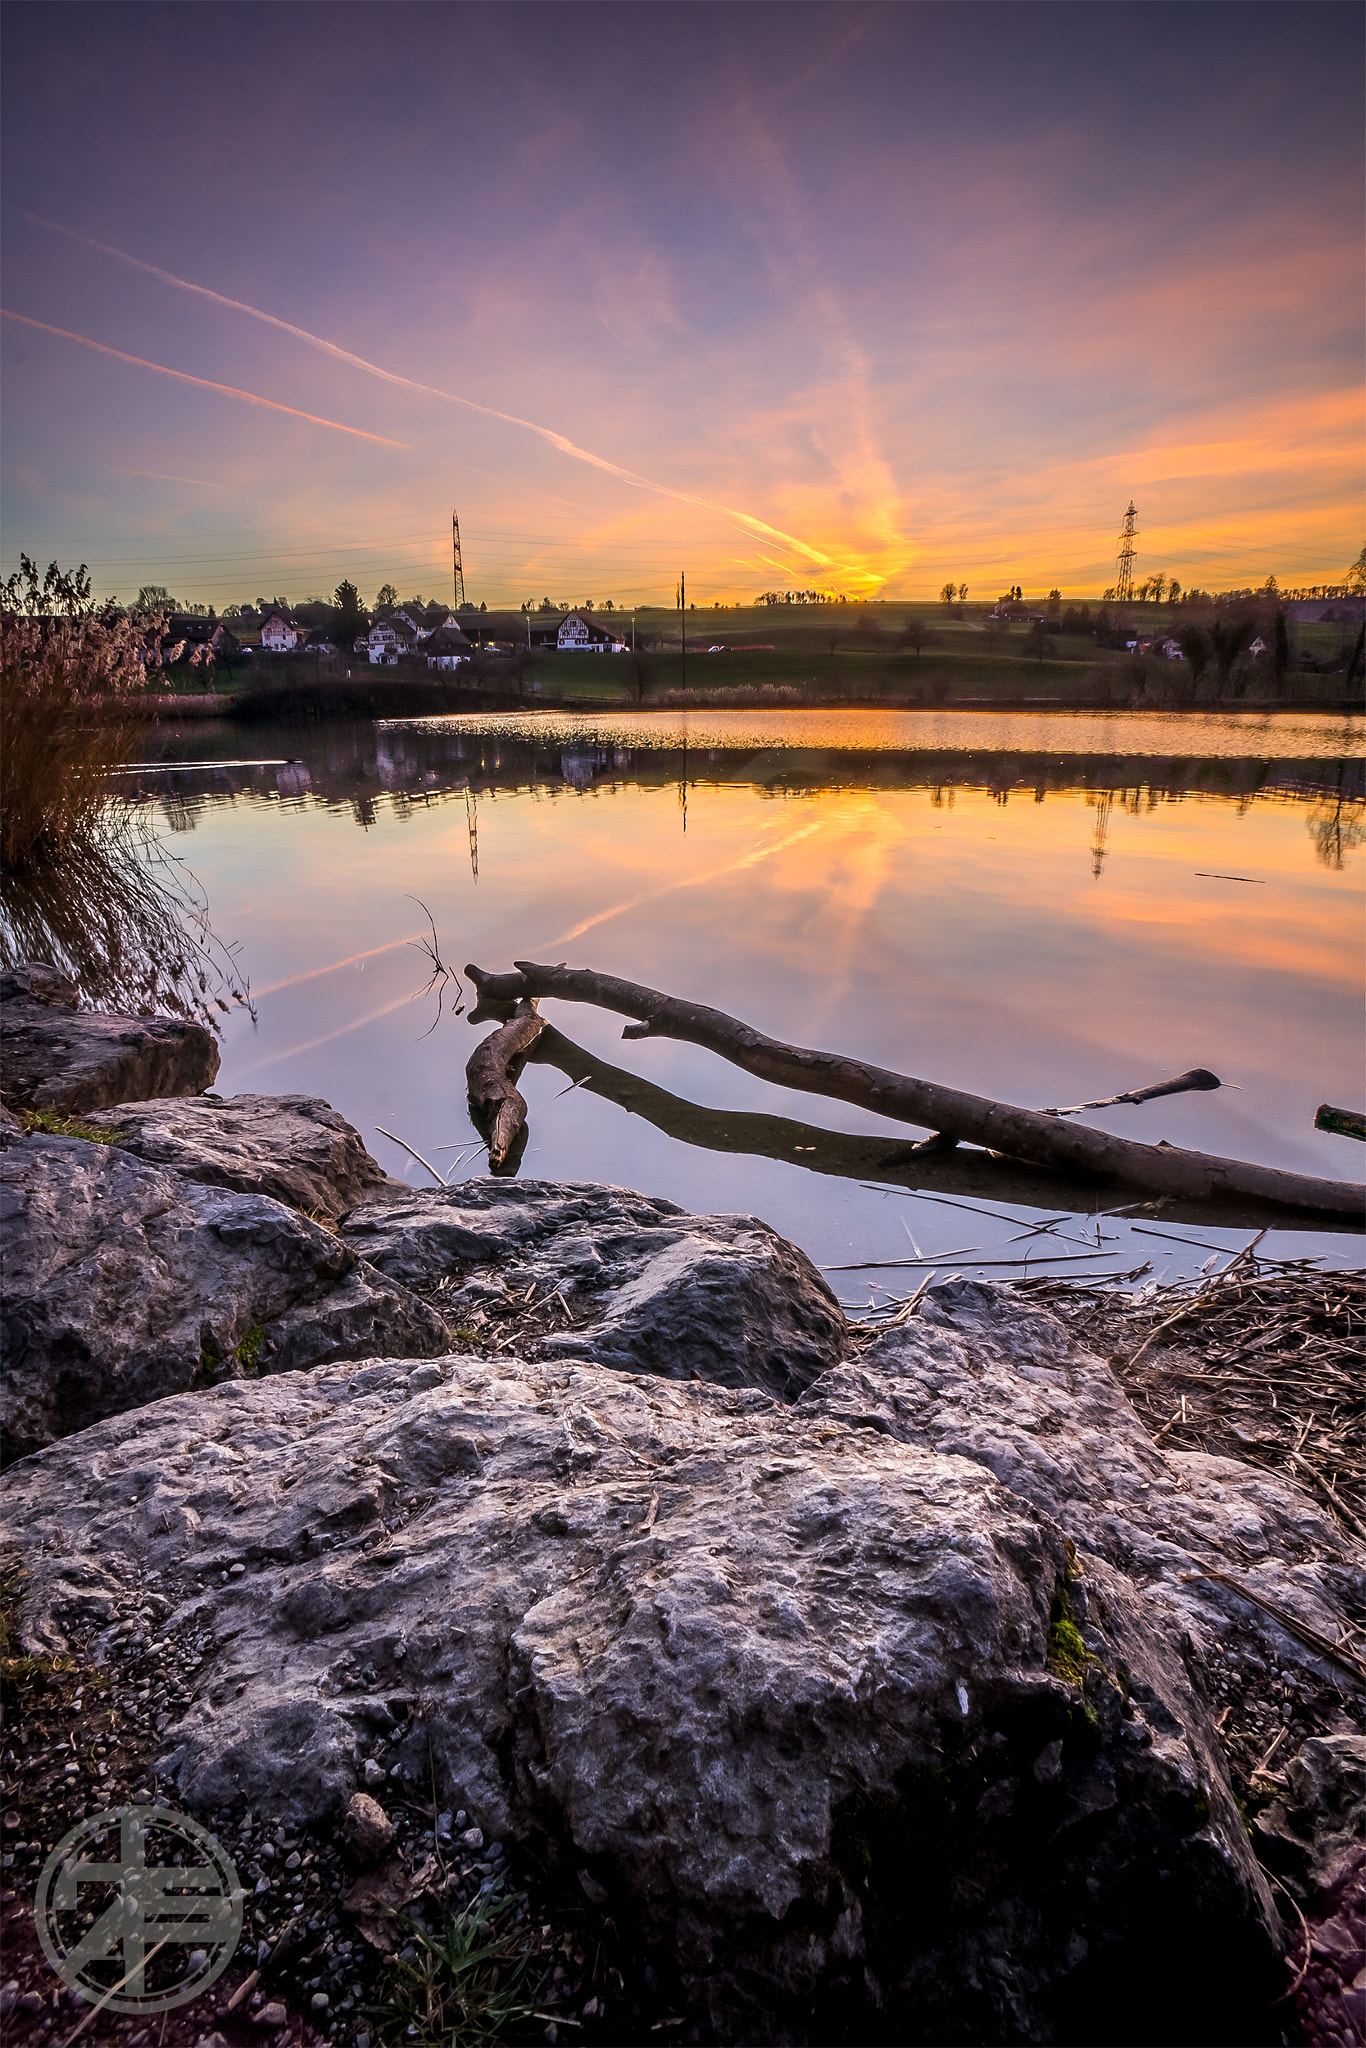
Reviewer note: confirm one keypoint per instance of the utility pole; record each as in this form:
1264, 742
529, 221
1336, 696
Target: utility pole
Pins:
683, 623
1128, 535
458, 563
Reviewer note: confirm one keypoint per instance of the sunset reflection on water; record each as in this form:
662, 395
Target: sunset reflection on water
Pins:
1033, 909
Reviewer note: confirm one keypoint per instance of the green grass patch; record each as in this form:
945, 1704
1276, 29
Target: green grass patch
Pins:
464, 1984
58, 1126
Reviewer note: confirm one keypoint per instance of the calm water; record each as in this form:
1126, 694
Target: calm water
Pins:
1037, 908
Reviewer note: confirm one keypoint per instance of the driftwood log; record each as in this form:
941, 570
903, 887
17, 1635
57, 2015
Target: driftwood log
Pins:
846, 1155
497, 1109
1348, 1123
998, 1126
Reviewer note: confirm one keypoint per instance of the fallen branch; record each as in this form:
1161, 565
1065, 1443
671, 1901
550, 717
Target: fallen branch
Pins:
1196, 1078
1000, 1127
497, 1109
888, 1161
1348, 1123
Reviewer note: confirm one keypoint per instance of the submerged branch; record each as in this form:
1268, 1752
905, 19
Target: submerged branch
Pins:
848, 1155
1000, 1127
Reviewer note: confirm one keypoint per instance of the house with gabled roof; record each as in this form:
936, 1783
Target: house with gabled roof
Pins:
281, 633
578, 633
446, 647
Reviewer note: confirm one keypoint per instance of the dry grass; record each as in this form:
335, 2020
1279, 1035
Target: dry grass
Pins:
1260, 1362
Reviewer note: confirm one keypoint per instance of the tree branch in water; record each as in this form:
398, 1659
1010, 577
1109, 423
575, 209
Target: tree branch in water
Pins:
1000, 1127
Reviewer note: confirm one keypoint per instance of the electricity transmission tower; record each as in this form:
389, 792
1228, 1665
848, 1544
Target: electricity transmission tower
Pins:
459, 565
1128, 534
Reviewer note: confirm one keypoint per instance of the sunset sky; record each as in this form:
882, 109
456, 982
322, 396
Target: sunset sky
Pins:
858, 297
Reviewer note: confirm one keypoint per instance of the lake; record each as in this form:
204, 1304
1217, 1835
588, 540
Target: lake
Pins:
1041, 908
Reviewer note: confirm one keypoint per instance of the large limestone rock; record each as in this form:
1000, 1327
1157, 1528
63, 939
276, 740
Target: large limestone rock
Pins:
983, 1375
644, 1286
124, 1283
294, 1148
776, 1684
56, 1057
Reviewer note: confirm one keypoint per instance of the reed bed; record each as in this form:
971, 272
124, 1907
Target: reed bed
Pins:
85, 885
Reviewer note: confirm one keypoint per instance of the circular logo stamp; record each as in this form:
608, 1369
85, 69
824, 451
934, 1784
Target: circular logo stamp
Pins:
138, 1910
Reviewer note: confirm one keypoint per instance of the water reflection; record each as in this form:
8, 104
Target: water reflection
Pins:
356, 766
1036, 909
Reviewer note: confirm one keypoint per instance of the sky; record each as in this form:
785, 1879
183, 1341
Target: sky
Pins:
857, 298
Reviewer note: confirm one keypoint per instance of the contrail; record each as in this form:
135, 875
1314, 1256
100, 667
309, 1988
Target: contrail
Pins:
205, 383
744, 520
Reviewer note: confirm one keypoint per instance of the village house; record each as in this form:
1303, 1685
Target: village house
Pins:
388, 638
446, 647
193, 629
281, 634
579, 634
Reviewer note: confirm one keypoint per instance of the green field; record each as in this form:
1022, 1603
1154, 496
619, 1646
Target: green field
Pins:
856, 654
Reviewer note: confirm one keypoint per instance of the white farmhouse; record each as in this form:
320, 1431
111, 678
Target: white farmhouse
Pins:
447, 647
578, 634
388, 638
280, 634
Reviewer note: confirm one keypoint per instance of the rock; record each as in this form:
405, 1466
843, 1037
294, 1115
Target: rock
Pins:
293, 1148
799, 1725
272, 2015
1331, 1999
56, 1057
983, 1375
125, 1283
1321, 1815
367, 1831
648, 1288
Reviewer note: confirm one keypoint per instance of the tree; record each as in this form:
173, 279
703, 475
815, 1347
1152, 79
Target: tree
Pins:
919, 635
948, 596
1229, 639
1280, 648
386, 594
153, 597
1197, 650
1356, 575
348, 618
1173, 592
1356, 665
1038, 643
962, 593
1055, 602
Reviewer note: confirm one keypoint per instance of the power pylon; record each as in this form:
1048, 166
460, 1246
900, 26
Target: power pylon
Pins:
459, 565
1128, 534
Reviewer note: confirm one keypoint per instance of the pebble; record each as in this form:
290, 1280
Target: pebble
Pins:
272, 2015
473, 1838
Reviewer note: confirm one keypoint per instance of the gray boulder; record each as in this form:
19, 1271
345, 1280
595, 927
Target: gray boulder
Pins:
782, 1691
983, 1375
56, 1057
1321, 1813
124, 1283
293, 1148
629, 1281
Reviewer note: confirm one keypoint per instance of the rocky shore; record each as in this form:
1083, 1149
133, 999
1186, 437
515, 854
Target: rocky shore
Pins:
543, 1546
